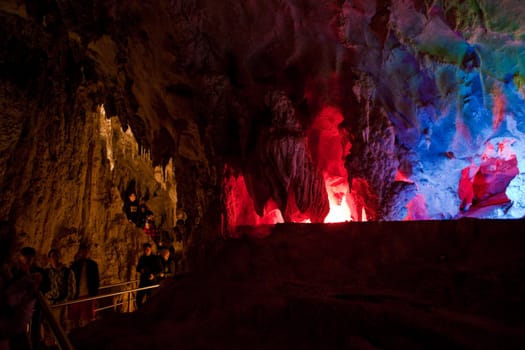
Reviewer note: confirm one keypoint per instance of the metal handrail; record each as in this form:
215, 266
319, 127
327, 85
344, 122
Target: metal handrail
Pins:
55, 326
117, 284
102, 296
108, 307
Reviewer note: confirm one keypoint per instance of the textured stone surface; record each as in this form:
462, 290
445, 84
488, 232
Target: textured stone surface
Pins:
217, 111
200, 93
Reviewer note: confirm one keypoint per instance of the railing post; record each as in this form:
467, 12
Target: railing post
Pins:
55, 326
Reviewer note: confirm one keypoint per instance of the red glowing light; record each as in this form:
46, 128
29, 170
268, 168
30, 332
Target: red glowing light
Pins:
400, 176
417, 209
328, 145
240, 209
485, 184
337, 189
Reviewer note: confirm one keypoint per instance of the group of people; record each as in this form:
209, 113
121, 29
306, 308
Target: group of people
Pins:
138, 213
22, 279
152, 269
175, 242
57, 283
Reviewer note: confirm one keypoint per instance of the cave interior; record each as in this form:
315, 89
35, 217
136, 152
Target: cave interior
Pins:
349, 170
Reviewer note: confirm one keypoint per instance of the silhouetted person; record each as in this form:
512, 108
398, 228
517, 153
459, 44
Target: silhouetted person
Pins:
166, 240
62, 286
131, 208
87, 282
152, 231
145, 213
26, 266
148, 267
17, 297
167, 264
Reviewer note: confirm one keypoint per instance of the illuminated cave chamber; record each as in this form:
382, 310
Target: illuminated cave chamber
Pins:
463, 163
348, 121
363, 111
251, 113
321, 150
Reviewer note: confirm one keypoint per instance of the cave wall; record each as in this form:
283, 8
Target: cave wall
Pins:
70, 186
66, 162
212, 91
66, 165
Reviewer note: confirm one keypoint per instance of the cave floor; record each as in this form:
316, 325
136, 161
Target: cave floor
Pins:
380, 285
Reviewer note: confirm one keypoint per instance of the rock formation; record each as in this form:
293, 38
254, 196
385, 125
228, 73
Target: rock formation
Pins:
227, 113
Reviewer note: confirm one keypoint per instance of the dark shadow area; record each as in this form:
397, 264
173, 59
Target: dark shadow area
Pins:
376, 285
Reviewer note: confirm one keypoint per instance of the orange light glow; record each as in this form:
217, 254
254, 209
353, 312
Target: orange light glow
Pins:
498, 110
